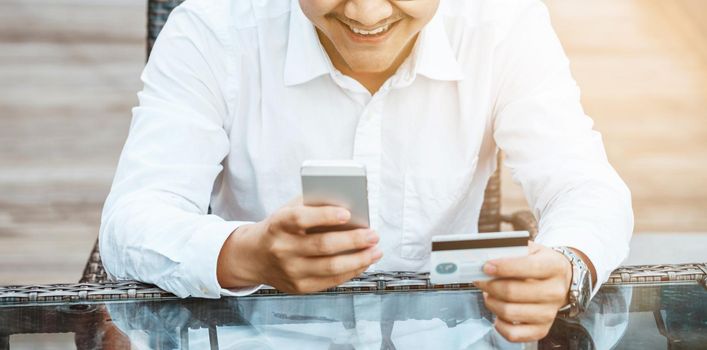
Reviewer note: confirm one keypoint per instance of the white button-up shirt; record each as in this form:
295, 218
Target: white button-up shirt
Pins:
238, 93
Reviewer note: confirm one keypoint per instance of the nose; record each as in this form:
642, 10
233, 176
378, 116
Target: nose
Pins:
368, 12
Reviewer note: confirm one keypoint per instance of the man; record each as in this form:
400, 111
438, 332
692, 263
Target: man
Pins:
423, 92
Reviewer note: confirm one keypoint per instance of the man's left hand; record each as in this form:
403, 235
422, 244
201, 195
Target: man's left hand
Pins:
527, 292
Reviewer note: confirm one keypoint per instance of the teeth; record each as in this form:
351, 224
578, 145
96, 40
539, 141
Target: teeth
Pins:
376, 31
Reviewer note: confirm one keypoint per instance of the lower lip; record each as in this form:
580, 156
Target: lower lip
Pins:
368, 39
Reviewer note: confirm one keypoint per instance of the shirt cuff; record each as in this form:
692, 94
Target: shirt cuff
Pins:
240, 292
588, 244
197, 273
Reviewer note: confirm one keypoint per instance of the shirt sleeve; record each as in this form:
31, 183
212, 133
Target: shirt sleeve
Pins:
155, 227
552, 150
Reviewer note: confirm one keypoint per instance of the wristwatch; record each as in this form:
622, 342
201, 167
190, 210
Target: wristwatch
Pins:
580, 292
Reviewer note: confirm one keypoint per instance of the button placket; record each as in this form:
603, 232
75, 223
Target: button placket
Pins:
367, 150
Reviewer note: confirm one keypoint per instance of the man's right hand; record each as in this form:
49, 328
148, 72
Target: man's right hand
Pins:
278, 252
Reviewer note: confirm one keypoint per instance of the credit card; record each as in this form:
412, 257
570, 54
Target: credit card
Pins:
460, 258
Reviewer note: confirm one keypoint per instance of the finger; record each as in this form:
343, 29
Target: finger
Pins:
299, 218
534, 247
521, 312
526, 291
544, 263
316, 284
522, 332
343, 278
332, 243
331, 266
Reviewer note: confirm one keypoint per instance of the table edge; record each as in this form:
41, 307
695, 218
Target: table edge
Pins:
370, 282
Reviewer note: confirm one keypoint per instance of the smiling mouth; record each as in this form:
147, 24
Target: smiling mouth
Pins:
373, 32
370, 33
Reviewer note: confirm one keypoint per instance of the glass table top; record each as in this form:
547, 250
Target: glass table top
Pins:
666, 316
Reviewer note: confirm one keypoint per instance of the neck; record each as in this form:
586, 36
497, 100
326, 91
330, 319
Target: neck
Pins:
372, 81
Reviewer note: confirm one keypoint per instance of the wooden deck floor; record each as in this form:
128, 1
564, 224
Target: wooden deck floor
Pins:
642, 67
69, 73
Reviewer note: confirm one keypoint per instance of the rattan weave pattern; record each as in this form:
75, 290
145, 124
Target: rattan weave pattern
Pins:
157, 13
490, 214
81, 292
659, 273
368, 282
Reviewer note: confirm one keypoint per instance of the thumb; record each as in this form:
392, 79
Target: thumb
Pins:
534, 247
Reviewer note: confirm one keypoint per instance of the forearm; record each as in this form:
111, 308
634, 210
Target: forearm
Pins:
153, 239
236, 266
595, 219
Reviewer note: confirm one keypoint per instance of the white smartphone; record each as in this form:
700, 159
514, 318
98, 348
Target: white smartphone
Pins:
339, 183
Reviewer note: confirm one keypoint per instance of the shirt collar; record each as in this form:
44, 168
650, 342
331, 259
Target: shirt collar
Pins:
434, 57
306, 59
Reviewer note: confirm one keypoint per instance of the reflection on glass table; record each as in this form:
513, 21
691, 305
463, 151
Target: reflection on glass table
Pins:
667, 316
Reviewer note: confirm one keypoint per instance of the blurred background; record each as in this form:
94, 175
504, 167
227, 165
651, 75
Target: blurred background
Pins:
69, 73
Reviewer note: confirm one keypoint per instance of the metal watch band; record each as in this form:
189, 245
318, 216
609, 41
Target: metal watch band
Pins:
577, 294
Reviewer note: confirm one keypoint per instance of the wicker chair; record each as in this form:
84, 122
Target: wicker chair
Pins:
490, 218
